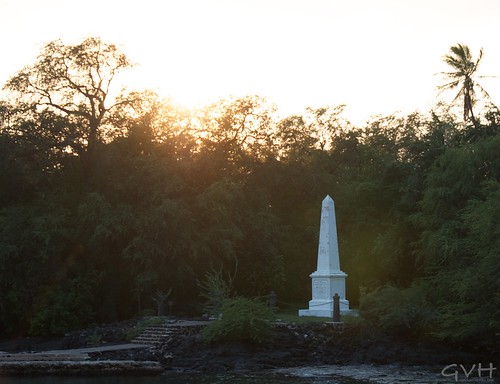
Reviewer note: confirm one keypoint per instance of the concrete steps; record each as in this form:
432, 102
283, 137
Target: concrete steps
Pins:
155, 335
159, 334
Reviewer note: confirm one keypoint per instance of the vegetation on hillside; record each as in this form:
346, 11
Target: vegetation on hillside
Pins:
103, 205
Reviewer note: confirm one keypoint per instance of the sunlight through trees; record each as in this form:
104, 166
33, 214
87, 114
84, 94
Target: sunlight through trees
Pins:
173, 194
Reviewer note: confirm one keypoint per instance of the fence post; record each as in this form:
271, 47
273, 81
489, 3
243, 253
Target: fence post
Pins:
272, 301
336, 308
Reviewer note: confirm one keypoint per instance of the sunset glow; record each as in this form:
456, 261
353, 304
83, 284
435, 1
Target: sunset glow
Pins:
377, 57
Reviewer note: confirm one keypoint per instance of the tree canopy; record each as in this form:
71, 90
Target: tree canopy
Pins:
234, 189
73, 82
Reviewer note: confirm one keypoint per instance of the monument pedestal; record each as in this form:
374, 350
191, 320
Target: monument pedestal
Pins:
324, 287
328, 279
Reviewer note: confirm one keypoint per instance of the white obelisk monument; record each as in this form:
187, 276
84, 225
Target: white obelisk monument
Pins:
328, 278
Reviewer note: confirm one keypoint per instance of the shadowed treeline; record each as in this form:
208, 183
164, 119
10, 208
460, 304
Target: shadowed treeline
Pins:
103, 205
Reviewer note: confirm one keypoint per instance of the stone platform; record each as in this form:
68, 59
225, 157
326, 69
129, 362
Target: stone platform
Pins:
75, 362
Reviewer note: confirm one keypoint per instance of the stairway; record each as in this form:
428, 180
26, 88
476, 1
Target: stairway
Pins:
154, 335
161, 333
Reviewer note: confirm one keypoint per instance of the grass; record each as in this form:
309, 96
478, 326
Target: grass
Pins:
291, 316
288, 317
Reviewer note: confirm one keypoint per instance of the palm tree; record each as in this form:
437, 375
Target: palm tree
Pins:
464, 71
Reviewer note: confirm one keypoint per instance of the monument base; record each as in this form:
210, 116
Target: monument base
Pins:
323, 308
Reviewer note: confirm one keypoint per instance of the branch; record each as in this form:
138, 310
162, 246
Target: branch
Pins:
65, 110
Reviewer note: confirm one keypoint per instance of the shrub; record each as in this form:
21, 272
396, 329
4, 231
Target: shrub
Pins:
243, 319
404, 312
215, 289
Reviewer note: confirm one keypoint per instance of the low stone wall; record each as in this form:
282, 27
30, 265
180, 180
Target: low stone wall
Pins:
87, 368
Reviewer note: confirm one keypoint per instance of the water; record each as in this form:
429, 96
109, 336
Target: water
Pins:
361, 374
183, 379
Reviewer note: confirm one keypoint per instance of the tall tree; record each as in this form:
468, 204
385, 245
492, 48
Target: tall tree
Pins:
74, 81
238, 126
462, 76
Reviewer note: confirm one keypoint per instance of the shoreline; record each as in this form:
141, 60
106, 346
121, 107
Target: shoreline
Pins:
80, 368
291, 346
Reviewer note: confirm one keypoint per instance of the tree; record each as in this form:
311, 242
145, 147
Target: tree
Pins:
293, 138
462, 75
74, 81
237, 127
326, 123
298, 137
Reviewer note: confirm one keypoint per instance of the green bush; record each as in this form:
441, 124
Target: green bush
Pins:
243, 319
405, 312
66, 308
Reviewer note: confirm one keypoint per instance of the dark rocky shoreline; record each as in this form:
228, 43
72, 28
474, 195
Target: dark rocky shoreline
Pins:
306, 345
292, 345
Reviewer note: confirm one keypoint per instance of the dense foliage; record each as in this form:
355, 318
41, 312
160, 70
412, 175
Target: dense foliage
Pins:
242, 319
164, 196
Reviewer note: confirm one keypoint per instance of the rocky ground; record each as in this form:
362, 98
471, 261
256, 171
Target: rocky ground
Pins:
292, 345
115, 333
306, 345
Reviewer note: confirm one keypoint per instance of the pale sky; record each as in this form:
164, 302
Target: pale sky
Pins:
376, 56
